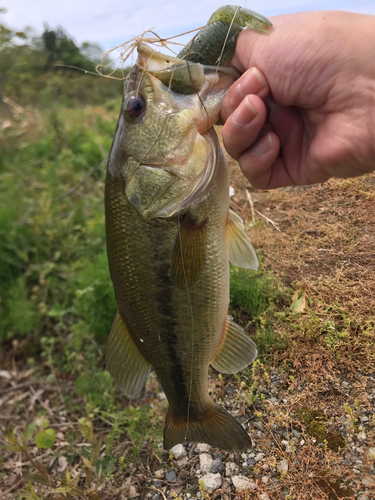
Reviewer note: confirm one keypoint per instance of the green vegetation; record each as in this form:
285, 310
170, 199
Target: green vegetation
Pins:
33, 73
258, 301
315, 422
52, 247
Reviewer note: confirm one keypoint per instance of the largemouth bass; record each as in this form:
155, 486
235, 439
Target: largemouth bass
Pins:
170, 235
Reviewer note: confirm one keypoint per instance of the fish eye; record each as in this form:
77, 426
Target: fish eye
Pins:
135, 106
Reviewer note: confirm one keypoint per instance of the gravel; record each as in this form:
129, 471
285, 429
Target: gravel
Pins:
230, 469
283, 465
217, 466
242, 483
278, 453
211, 482
205, 462
202, 448
178, 451
171, 476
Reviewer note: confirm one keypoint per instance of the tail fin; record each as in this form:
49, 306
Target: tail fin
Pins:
216, 428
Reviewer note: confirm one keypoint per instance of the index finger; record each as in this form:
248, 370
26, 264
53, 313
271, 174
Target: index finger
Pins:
252, 81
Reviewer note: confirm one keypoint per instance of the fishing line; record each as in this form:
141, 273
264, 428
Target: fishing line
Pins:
193, 329
226, 38
219, 60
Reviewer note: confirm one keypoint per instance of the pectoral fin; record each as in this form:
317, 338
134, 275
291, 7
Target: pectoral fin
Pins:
237, 350
241, 251
189, 253
125, 363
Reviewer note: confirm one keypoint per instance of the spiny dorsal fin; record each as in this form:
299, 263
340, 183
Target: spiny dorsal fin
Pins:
189, 253
241, 251
125, 363
237, 350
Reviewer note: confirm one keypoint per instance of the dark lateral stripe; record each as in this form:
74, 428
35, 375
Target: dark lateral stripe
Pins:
169, 320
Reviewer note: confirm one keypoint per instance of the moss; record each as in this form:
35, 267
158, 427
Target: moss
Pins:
334, 488
315, 422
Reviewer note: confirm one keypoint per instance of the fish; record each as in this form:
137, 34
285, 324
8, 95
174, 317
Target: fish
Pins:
170, 237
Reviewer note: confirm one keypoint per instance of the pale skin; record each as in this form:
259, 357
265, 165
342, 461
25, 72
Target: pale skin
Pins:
304, 109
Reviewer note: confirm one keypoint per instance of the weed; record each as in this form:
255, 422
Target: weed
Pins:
315, 422
258, 302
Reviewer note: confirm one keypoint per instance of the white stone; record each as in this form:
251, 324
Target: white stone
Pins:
362, 436
371, 453
265, 479
283, 465
202, 448
178, 451
230, 469
211, 482
244, 456
159, 474
264, 496
205, 462
284, 443
161, 396
182, 461
368, 482
242, 483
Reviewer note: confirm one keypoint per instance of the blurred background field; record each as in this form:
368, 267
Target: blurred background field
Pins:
65, 430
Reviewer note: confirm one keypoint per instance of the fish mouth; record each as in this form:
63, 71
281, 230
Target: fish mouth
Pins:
183, 76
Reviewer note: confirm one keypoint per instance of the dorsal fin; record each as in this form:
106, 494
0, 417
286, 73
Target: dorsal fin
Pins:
237, 350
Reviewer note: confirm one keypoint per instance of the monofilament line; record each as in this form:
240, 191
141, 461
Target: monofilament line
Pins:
226, 38
221, 54
192, 326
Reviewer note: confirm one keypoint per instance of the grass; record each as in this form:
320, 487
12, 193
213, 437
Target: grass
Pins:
52, 243
258, 302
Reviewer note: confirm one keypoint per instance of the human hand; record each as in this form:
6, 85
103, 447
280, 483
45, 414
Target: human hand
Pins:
304, 109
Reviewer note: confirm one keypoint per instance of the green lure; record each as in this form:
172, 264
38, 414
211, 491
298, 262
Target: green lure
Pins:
215, 44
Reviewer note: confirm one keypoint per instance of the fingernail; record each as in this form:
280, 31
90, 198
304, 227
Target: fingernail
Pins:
264, 145
245, 113
253, 82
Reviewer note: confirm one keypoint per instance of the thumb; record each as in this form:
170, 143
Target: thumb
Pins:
285, 53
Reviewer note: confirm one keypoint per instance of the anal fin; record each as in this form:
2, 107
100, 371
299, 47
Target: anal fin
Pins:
237, 350
125, 363
241, 251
